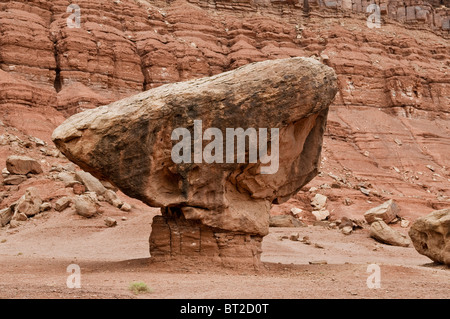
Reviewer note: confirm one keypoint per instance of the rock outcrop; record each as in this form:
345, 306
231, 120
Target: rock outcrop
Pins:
223, 198
431, 236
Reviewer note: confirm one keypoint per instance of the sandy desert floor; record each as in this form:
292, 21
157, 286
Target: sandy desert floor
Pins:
35, 257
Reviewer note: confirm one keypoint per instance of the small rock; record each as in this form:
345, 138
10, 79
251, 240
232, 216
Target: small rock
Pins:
22, 165
347, 230
85, 205
317, 245
396, 169
321, 214
110, 222
319, 201
111, 198
404, 223
45, 206
30, 203
67, 178
366, 153
313, 189
124, 218
6, 215
5, 173
398, 142
318, 262
365, 191
78, 188
431, 168
294, 236
20, 217
296, 211
14, 179
62, 203
125, 207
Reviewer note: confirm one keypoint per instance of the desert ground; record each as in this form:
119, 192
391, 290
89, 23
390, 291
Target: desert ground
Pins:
35, 258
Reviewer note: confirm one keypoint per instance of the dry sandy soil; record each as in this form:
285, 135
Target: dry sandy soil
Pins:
35, 257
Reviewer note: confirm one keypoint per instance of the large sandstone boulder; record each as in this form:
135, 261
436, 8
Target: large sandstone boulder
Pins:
215, 200
431, 236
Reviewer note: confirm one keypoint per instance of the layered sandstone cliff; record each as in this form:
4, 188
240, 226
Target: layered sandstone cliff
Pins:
387, 129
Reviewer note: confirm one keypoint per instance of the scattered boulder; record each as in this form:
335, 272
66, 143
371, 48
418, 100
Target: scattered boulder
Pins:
85, 206
321, 214
78, 188
30, 203
14, 179
296, 211
62, 203
21, 217
45, 207
404, 223
430, 236
22, 165
92, 183
6, 215
347, 230
387, 212
380, 231
67, 178
112, 198
110, 222
319, 201
125, 207
285, 221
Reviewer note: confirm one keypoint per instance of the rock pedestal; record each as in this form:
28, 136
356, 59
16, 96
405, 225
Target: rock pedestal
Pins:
175, 237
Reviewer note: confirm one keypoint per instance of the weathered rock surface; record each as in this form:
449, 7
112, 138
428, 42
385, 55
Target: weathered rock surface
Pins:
380, 231
430, 236
386, 212
129, 141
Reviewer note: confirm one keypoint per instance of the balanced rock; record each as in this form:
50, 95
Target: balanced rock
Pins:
191, 148
430, 236
386, 212
22, 165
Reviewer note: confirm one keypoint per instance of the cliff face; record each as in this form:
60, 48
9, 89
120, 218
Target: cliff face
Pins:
389, 120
